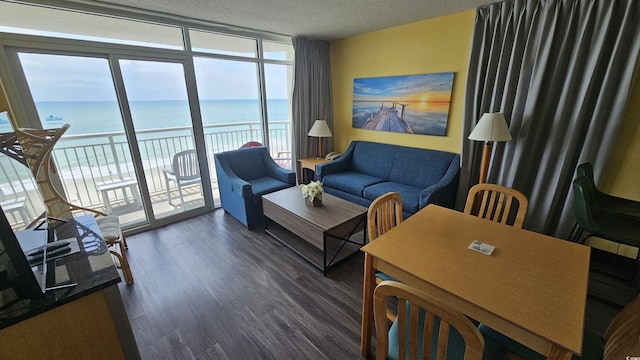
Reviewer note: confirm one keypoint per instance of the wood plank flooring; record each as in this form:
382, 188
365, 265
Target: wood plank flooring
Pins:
207, 288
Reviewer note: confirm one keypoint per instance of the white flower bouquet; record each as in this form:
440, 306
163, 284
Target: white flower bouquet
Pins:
312, 190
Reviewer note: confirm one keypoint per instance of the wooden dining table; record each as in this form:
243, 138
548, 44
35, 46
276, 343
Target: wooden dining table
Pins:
532, 288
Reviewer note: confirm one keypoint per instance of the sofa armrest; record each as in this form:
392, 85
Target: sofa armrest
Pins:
339, 165
229, 180
276, 171
443, 192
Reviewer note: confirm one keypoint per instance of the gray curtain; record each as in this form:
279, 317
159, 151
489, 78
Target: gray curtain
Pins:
311, 95
561, 72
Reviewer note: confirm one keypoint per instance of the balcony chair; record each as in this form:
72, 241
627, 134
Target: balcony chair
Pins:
250, 144
424, 324
244, 175
497, 203
621, 339
15, 204
37, 146
184, 171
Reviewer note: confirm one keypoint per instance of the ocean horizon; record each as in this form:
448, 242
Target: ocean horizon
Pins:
90, 117
95, 117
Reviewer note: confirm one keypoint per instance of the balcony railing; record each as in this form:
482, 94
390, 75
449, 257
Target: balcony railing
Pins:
85, 160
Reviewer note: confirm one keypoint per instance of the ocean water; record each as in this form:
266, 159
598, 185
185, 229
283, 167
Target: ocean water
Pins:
104, 117
92, 117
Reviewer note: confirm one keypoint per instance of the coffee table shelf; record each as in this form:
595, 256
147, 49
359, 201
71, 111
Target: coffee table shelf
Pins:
324, 235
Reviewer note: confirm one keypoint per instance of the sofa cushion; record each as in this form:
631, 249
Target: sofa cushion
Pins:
419, 167
410, 194
373, 159
350, 182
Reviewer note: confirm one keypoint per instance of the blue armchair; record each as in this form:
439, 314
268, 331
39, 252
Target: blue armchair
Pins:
245, 175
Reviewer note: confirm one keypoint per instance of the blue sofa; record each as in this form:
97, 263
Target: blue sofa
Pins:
245, 175
367, 170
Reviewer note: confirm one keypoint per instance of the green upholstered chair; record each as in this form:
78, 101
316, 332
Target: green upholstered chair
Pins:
598, 222
594, 218
608, 202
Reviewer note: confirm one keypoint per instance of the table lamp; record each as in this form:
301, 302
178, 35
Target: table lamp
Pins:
320, 129
491, 127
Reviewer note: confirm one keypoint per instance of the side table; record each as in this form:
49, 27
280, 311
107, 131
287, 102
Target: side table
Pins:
310, 163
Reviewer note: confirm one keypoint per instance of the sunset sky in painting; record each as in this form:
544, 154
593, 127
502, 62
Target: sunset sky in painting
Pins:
427, 88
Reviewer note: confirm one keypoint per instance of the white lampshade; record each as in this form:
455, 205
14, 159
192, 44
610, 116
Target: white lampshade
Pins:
491, 127
320, 129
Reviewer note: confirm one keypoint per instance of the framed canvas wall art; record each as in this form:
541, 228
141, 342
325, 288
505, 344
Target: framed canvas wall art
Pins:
411, 104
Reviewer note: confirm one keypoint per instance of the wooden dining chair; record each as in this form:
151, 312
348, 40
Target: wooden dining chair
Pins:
424, 326
37, 146
496, 203
385, 213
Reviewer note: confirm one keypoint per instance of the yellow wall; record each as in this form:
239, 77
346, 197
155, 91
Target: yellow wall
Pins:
442, 45
429, 46
622, 174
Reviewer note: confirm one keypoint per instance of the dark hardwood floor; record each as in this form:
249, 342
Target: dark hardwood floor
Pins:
207, 288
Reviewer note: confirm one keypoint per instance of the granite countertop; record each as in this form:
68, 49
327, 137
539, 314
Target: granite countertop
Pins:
90, 268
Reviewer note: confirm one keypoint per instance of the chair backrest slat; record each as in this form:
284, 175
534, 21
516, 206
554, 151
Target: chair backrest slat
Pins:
185, 165
418, 314
497, 203
384, 213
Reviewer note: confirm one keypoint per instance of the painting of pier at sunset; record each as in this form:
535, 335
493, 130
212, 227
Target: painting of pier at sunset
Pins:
412, 104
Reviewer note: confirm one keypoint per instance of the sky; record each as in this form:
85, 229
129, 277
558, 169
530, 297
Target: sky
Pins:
75, 78
434, 88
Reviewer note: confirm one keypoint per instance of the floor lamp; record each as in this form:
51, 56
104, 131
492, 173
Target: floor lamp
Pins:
320, 129
491, 127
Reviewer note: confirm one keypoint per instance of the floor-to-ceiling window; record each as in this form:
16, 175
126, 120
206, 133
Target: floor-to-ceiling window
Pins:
140, 97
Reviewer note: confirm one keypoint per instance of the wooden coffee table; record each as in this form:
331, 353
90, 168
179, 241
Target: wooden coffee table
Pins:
322, 235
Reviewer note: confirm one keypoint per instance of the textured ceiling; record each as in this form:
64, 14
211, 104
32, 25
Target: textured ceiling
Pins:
320, 19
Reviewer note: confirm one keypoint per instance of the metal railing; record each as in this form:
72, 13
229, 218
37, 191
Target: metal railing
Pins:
86, 160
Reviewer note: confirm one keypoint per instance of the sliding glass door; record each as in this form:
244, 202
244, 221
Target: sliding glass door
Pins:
93, 158
158, 101
149, 100
126, 148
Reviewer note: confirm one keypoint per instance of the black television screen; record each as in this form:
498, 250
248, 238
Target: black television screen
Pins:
23, 225
27, 280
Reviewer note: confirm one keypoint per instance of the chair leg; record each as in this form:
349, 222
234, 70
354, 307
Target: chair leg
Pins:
123, 262
181, 196
166, 181
124, 241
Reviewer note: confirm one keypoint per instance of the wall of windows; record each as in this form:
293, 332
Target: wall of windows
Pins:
137, 90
